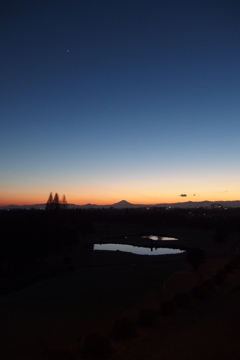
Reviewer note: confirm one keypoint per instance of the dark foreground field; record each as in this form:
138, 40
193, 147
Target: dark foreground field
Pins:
56, 313
209, 330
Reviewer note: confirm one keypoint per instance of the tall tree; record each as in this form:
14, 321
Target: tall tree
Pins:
49, 202
56, 201
64, 202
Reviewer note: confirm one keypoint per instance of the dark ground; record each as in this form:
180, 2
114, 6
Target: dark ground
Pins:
57, 312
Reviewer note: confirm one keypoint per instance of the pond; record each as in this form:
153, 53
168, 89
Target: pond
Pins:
156, 237
137, 249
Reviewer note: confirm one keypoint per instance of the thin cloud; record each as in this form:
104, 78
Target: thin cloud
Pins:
183, 195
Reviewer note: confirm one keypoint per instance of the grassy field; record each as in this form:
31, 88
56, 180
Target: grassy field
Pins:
56, 312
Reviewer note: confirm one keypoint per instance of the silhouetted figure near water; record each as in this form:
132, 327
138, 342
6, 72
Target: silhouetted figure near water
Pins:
196, 257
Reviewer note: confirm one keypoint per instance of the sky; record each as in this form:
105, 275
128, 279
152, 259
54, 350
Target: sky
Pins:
105, 100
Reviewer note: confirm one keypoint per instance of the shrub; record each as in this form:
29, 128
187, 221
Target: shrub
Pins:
196, 257
64, 354
124, 328
209, 284
219, 277
183, 299
235, 262
235, 289
199, 291
168, 308
221, 236
67, 260
147, 317
97, 346
230, 267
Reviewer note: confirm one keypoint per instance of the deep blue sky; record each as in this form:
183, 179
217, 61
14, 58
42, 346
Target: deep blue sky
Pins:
110, 100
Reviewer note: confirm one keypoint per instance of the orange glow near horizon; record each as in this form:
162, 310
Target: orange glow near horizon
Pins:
135, 190
22, 198
105, 128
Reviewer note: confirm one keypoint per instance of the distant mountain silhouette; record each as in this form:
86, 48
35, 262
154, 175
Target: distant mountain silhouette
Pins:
87, 206
123, 204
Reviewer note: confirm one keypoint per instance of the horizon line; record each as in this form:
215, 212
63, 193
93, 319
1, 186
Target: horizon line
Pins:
118, 202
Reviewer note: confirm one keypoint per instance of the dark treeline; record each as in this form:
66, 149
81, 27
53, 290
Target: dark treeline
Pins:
160, 217
27, 236
30, 235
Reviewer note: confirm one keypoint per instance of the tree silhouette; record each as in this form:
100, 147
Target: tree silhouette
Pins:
56, 202
49, 205
64, 202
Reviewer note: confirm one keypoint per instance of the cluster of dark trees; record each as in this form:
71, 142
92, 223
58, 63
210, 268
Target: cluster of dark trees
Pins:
28, 236
54, 203
222, 222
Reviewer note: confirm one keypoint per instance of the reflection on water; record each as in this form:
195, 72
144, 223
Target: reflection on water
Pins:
137, 249
156, 237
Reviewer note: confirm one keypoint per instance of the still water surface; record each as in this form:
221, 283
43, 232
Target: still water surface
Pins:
156, 237
137, 249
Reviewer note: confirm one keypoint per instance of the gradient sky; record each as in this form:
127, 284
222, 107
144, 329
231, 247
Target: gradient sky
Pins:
104, 100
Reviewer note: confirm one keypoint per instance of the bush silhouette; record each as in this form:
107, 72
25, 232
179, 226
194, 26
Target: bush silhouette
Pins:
64, 354
209, 284
221, 235
124, 328
96, 345
183, 299
196, 257
235, 262
219, 277
230, 267
168, 308
147, 317
199, 291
